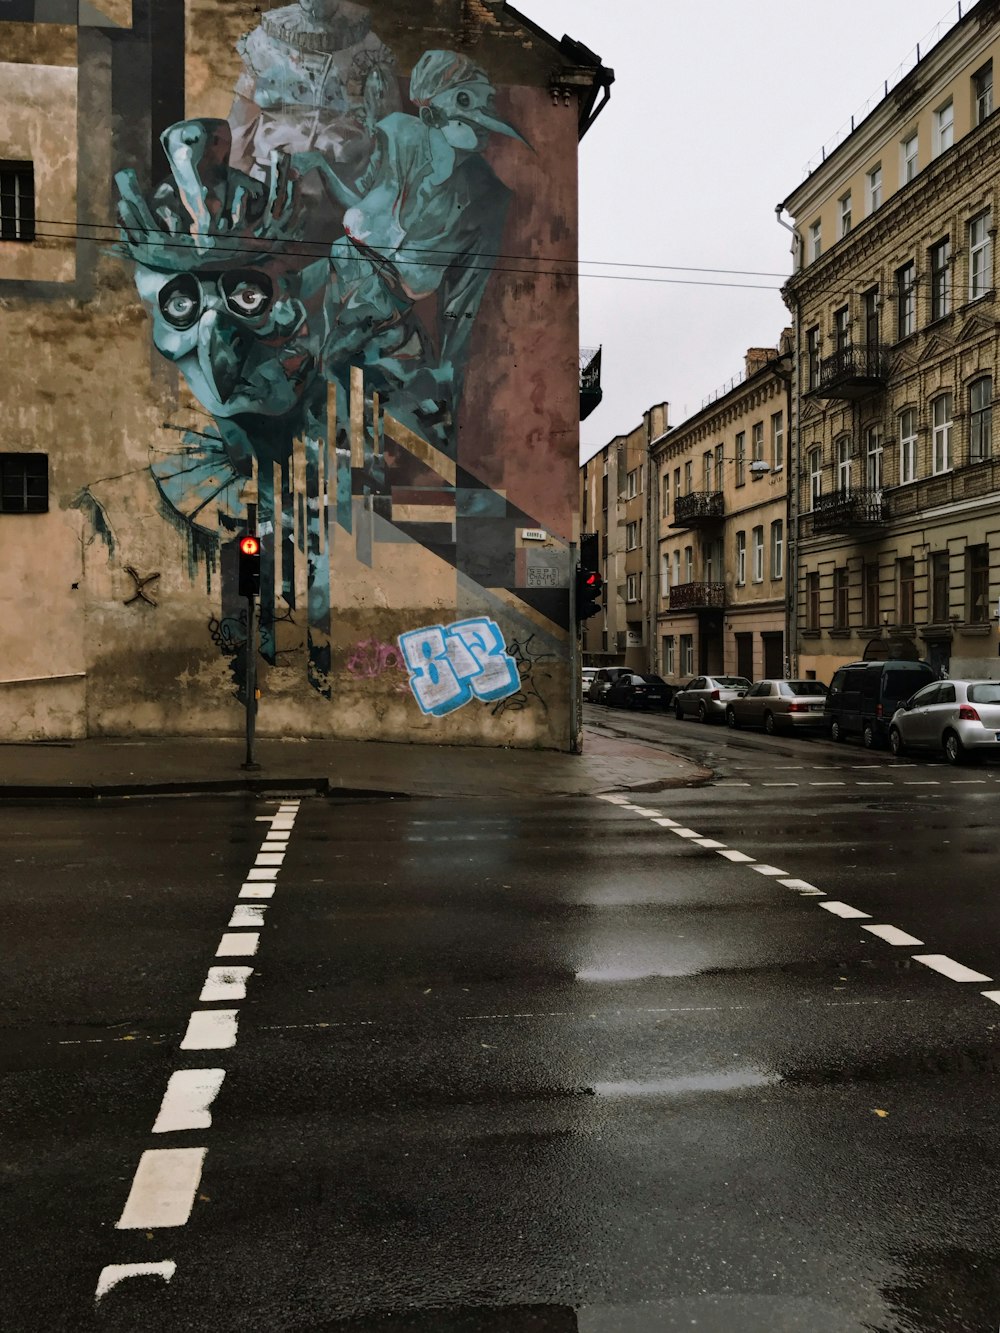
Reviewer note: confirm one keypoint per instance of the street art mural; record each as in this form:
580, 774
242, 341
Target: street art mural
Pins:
314, 266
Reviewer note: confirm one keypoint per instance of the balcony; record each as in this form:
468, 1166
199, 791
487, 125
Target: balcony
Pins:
698, 597
849, 511
700, 509
853, 373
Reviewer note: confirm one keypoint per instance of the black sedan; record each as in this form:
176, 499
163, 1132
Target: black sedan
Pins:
634, 689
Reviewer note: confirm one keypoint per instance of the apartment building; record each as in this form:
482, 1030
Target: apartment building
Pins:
720, 546
616, 504
896, 503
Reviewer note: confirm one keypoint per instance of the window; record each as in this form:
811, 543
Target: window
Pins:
677, 485
982, 93
977, 581
665, 493
720, 450
870, 587
741, 559
873, 188
871, 304
777, 441
940, 256
668, 664
688, 564
980, 419
17, 201
757, 547
907, 447
708, 471
631, 536
713, 562
842, 328
741, 458
844, 465
906, 300
909, 165
632, 484
941, 451
944, 127
812, 358
687, 655
980, 256
677, 567
845, 213
940, 587
24, 483
873, 459
815, 461
688, 477
633, 587
604, 492
815, 240
777, 549
665, 574
758, 442
812, 599
905, 584
841, 598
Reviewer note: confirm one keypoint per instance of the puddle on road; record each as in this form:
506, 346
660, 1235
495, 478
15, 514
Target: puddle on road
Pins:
725, 1080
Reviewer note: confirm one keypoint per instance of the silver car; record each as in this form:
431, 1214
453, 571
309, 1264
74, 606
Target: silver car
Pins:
960, 717
706, 697
788, 705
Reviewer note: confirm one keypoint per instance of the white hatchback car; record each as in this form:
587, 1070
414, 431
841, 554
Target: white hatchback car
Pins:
960, 717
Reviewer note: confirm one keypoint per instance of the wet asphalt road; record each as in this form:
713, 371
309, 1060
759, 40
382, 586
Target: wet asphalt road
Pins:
520, 1066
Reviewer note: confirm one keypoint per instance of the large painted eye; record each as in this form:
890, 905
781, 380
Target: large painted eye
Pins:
180, 301
463, 100
247, 294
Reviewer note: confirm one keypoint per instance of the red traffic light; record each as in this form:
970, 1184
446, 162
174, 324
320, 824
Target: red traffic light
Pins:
593, 580
250, 546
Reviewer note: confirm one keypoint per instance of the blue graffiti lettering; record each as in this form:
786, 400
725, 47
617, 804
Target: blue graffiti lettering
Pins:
451, 664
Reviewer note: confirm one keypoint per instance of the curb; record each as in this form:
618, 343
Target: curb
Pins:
220, 787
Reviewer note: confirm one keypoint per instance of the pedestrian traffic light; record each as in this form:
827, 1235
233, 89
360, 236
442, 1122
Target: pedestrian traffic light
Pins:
249, 583
589, 592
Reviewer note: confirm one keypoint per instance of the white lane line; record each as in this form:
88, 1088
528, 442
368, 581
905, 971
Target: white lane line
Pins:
283, 823
711, 843
279, 839
789, 768
733, 856
211, 1030
163, 1189
645, 810
828, 784
262, 876
993, 995
949, 968
615, 798
685, 833
238, 944
244, 915
115, 1273
842, 909
728, 783
269, 858
801, 886
779, 784
666, 823
922, 784
769, 870
893, 935
186, 1102
968, 782
859, 783
257, 891
225, 983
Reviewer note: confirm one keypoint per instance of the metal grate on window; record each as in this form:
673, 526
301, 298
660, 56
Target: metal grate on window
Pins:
17, 201
24, 483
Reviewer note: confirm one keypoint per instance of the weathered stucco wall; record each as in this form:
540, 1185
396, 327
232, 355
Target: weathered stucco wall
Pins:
380, 355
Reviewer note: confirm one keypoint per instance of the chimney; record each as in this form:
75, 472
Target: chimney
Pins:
656, 421
757, 359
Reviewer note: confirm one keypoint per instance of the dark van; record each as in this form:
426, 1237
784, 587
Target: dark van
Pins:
863, 697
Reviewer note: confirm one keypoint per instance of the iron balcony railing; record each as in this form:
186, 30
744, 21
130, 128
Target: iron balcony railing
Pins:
844, 510
698, 509
853, 372
697, 596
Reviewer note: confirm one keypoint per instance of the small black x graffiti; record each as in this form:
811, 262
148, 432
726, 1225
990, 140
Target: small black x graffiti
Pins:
141, 584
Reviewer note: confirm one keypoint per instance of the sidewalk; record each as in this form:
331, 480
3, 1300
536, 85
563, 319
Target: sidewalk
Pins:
152, 766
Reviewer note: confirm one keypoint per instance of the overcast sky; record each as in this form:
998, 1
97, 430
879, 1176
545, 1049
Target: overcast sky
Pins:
717, 107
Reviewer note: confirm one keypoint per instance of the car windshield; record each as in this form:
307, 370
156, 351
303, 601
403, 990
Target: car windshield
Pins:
802, 688
732, 682
899, 684
984, 694
653, 680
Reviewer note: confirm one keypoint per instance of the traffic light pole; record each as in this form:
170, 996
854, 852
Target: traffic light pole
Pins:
575, 673
250, 681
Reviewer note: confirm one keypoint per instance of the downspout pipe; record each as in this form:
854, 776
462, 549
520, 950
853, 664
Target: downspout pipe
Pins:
793, 449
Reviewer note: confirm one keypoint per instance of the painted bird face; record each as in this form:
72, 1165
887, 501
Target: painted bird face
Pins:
240, 336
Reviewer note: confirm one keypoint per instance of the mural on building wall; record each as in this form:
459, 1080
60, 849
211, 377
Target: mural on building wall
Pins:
314, 266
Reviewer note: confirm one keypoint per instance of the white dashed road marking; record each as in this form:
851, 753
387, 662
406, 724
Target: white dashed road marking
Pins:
115, 1273
769, 870
842, 909
225, 983
163, 1189
949, 968
893, 935
187, 1100
211, 1030
734, 856
238, 944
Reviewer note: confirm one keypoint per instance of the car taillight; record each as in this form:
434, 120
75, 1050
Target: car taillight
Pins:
878, 710
716, 695
968, 714
798, 708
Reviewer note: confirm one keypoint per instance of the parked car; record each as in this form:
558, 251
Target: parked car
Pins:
864, 695
706, 697
599, 685
587, 675
960, 717
637, 689
789, 705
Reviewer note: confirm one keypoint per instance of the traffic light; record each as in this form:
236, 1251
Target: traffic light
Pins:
589, 592
249, 583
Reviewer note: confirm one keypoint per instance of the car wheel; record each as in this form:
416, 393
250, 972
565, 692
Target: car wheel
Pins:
954, 750
868, 738
836, 731
896, 742
702, 713
731, 718
769, 723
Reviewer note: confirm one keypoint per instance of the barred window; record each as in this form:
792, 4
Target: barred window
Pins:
17, 201
24, 483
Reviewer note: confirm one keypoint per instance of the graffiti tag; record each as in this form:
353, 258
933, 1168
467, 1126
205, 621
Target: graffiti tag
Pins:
451, 664
532, 668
